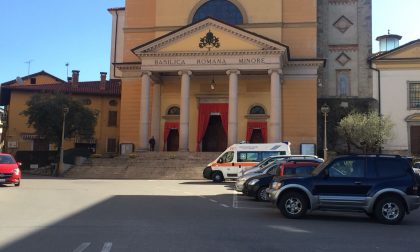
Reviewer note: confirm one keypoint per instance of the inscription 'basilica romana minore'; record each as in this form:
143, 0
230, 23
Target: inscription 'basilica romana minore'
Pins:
211, 61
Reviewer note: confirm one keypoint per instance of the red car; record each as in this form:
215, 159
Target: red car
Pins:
9, 170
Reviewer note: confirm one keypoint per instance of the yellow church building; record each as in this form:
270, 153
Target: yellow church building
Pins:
201, 75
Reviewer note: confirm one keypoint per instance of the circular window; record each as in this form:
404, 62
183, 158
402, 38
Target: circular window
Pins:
173, 110
220, 9
113, 103
257, 110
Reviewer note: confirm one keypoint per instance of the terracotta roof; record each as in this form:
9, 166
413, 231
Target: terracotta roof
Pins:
33, 75
112, 88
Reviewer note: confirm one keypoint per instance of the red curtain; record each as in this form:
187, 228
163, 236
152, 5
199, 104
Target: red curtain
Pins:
168, 127
256, 125
204, 113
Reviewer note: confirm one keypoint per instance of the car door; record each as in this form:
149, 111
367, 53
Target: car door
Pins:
344, 183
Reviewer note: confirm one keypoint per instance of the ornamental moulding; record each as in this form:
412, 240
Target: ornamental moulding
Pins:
345, 48
201, 27
342, 2
212, 53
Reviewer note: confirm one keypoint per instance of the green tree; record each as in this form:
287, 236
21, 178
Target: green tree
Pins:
365, 131
45, 114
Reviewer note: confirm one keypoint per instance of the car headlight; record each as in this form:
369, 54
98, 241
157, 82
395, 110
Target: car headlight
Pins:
276, 185
253, 182
16, 171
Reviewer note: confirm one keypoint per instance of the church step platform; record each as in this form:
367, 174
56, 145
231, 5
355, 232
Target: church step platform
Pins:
145, 165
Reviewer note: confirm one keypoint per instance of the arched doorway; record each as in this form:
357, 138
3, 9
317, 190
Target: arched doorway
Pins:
173, 140
256, 136
215, 138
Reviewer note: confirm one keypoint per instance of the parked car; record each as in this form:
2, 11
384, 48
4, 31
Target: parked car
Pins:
416, 167
383, 186
257, 186
263, 164
9, 170
272, 163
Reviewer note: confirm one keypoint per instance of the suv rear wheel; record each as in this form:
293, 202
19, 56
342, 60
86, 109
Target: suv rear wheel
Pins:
262, 194
293, 205
389, 210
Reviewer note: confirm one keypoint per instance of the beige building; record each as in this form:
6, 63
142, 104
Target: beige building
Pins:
200, 84
397, 81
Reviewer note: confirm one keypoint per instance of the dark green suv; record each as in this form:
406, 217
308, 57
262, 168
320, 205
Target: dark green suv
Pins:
383, 186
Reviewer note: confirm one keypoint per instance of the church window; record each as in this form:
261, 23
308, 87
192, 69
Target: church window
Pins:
173, 110
414, 95
257, 110
220, 9
343, 82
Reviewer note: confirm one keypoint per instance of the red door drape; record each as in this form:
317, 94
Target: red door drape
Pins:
204, 112
168, 127
256, 125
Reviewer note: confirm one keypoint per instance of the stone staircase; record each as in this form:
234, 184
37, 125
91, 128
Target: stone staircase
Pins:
145, 165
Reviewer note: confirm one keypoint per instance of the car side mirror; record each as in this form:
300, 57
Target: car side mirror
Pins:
220, 161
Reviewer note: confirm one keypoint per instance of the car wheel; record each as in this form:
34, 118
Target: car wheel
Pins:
17, 184
217, 177
389, 210
262, 194
293, 205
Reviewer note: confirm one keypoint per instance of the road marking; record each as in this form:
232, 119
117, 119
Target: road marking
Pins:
82, 247
224, 205
214, 201
107, 247
235, 199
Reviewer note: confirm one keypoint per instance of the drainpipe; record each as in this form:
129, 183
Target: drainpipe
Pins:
115, 40
379, 94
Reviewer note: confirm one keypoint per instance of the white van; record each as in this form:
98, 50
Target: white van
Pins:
230, 163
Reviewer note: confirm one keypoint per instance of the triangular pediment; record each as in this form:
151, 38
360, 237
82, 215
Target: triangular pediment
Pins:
410, 50
230, 38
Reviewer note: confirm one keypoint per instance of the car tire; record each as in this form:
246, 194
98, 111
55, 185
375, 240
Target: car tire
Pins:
389, 210
293, 205
17, 184
262, 194
217, 177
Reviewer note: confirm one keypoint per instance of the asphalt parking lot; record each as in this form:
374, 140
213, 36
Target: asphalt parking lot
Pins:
47, 214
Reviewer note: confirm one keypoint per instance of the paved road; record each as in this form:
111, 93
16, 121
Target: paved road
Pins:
141, 215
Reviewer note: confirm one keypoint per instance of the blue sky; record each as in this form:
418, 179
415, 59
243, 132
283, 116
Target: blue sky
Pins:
50, 33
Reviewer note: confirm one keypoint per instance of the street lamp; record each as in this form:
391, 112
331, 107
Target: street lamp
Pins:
61, 164
325, 109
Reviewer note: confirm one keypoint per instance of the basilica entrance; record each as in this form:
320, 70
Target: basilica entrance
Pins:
173, 140
215, 138
257, 136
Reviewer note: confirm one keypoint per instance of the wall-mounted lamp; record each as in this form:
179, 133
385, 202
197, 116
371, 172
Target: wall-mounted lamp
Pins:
213, 84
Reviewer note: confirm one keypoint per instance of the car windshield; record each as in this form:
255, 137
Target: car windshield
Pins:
6, 160
320, 167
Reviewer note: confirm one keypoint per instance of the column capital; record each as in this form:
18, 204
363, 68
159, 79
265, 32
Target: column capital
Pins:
233, 71
182, 72
145, 73
275, 70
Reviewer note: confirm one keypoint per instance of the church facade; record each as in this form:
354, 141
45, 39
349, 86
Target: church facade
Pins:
202, 75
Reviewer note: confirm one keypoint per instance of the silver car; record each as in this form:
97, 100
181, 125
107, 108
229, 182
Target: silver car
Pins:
239, 185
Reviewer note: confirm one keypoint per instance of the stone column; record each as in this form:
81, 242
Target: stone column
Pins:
155, 129
275, 103
233, 107
184, 113
144, 111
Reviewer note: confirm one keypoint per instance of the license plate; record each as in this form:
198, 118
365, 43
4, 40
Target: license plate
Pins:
2, 180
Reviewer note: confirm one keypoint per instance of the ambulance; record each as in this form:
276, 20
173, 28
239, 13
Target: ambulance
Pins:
234, 159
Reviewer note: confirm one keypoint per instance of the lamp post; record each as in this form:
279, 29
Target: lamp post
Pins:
61, 164
325, 109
